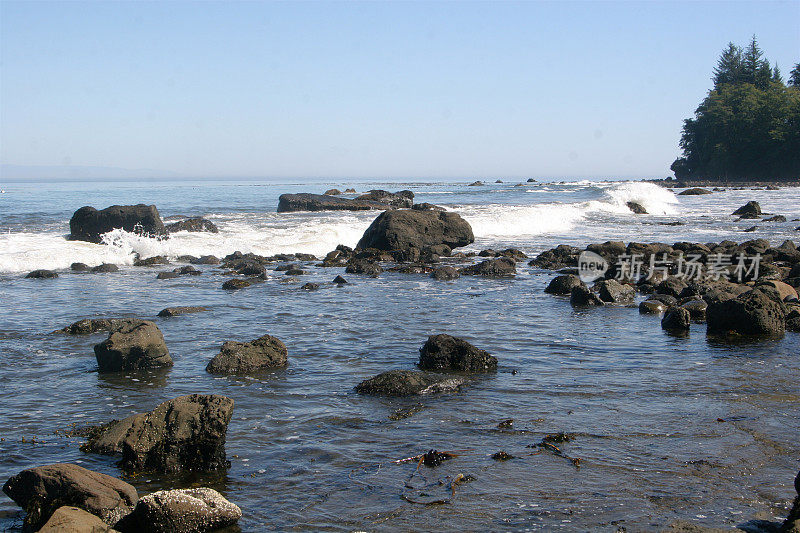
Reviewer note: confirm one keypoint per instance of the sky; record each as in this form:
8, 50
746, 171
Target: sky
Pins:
367, 89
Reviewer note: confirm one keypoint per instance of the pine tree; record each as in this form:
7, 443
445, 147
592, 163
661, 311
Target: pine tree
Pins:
794, 77
776, 74
729, 67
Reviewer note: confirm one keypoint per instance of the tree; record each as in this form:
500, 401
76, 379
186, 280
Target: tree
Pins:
748, 126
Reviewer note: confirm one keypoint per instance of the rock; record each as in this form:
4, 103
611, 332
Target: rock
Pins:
205, 260
501, 267
612, 291
42, 274
42, 490
349, 191
424, 206
88, 326
132, 345
408, 228
246, 357
310, 286
183, 434
79, 267
445, 273
581, 296
363, 266
196, 510
676, 319
443, 352
750, 208
751, 313
89, 224
751, 229
784, 290
682, 526
652, 307
637, 208
697, 309
776, 218
177, 311
167, 275
107, 438
105, 267
476, 184
339, 280
67, 519
234, 284
150, 261
195, 225
695, 191
321, 202
295, 272
400, 199
671, 286
408, 382
563, 284
333, 192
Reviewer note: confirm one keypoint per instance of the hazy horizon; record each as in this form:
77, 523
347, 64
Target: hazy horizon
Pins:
377, 91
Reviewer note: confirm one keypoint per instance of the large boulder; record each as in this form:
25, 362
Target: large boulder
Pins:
676, 319
132, 345
87, 326
408, 228
751, 208
183, 434
612, 291
195, 224
500, 267
246, 357
42, 490
42, 274
408, 382
180, 511
89, 224
751, 313
563, 284
695, 191
581, 296
443, 352
73, 520
288, 203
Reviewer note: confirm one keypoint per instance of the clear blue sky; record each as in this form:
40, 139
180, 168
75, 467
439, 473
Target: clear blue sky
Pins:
382, 89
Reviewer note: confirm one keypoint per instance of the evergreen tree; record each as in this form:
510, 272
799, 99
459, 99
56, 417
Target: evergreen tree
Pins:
794, 77
776, 74
729, 67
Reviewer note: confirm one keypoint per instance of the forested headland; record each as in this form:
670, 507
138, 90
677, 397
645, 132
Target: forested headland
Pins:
748, 126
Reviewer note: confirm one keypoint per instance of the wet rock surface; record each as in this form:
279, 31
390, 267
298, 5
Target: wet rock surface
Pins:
195, 510
408, 383
446, 353
247, 357
751, 313
133, 344
407, 228
89, 224
195, 225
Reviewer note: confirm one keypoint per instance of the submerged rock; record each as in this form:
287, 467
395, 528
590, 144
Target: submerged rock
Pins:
183, 434
234, 284
652, 307
501, 267
363, 266
581, 296
87, 326
105, 267
408, 382
444, 352
89, 224
563, 284
42, 274
195, 224
246, 357
177, 311
407, 228
636, 207
696, 191
150, 261
132, 345
445, 273
676, 319
322, 202
42, 490
196, 510
751, 313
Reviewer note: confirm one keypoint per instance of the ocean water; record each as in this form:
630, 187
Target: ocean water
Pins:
665, 427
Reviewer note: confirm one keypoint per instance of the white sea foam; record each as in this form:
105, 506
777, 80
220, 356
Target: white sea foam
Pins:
655, 199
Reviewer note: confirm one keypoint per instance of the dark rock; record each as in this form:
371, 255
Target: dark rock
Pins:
751, 229
531, 180
89, 224
234, 284
676, 319
107, 438
183, 434
445, 273
501, 267
349, 191
652, 307
674, 223
697, 309
424, 206
776, 218
637, 208
751, 313
612, 291
42, 274
105, 267
749, 216
67, 519
246, 357
88, 326
671, 286
310, 286
333, 192
401, 199
409, 382
205, 260
42, 490
513, 253
247, 268
694, 192
79, 267
177, 311
488, 253
581, 296
667, 299
403, 229
295, 272
476, 184
132, 345
188, 269
167, 275
750, 208
445, 353
321, 202
339, 280
196, 510
784, 291
363, 266
196, 224
502, 456
150, 261
563, 284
